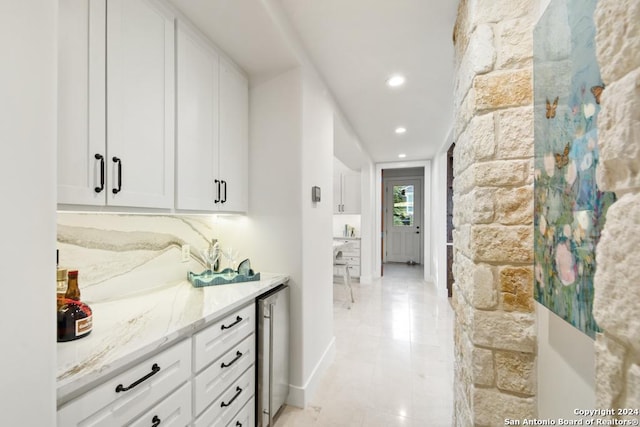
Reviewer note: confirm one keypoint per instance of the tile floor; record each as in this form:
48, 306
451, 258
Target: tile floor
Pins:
394, 357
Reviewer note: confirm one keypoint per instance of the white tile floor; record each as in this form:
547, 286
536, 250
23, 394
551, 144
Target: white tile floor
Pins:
394, 357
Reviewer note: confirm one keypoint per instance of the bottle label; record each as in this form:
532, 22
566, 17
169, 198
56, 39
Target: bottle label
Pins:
84, 326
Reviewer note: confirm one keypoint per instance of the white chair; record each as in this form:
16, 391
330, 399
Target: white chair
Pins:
343, 266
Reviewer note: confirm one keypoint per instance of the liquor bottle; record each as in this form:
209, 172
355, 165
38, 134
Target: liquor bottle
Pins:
75, 318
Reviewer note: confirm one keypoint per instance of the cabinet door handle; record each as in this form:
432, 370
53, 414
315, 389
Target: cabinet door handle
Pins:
154, 370
235, 359
101, 158
119, 163
217, 183
225, 192
238, 424
238, 391
156, 421
238, 320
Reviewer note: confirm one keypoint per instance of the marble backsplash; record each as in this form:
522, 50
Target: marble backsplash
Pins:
120, 255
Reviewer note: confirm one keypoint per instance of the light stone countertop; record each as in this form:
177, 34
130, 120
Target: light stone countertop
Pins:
128, 329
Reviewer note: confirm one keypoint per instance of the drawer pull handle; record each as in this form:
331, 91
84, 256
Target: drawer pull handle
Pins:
238, 391
156, 421
154, 370
238, 356
238, 320
238, 424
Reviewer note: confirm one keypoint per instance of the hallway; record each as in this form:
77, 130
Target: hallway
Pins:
394, 357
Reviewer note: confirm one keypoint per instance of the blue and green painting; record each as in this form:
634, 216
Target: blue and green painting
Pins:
569, 209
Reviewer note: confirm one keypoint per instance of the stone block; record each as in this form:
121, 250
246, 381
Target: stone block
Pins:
503, 89
514, 206
493, 407
477, 283
616, 289
504, 173
609, 369
505, 244
515, 133
619, 135
504, 331
514, 40
516, 372
477, 206
516, 286
617, 37
464, 110
478, 58
483, 371
476, 143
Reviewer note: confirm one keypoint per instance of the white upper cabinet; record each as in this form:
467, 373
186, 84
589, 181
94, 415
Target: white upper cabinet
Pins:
140, 104
116, 104
233, 154
212, 128
197, 124
351, 193
346, 190
81, 101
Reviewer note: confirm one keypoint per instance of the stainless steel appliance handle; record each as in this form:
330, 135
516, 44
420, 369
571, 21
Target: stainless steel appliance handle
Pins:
271, 321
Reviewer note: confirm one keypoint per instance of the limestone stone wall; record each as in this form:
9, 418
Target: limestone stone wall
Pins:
495, 335
617, 279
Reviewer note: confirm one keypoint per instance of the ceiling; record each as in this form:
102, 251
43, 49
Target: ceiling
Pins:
355, 45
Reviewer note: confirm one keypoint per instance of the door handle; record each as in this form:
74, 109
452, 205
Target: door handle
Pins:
217, 182
101, 158
154, 370
225, 191
417, 232
119, 163
156, 421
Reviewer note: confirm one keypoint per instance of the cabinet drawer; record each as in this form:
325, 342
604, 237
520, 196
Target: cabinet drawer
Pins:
104, 406
212, 342
229, 403
246, 416
211, 382
174, 411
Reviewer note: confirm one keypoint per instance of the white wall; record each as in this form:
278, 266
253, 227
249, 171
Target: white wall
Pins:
28, 176
439, 220
566, 367
368, 233
317, 230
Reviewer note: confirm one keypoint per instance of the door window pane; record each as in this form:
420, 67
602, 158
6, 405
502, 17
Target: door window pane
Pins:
403, 205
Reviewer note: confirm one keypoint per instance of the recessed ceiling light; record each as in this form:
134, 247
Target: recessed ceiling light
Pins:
402, 156
400, 130
395, 81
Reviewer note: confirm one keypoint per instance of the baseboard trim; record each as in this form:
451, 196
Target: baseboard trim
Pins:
300, 396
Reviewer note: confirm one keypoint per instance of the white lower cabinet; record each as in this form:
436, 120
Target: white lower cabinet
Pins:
229, 403
209, 378
246, 416
174, 411
123, 398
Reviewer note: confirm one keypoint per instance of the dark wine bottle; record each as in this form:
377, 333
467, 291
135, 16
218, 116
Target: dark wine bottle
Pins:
75, 319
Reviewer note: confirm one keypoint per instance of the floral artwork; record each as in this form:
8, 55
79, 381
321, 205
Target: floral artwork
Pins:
569, 209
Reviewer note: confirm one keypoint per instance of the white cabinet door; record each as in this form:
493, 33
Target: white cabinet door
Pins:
233, 154
81, 101
351, 193
197, 123
140, 104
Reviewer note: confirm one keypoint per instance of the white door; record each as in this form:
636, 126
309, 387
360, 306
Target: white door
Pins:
403, 212
81, 102
197, 123
140, 104
233, 154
